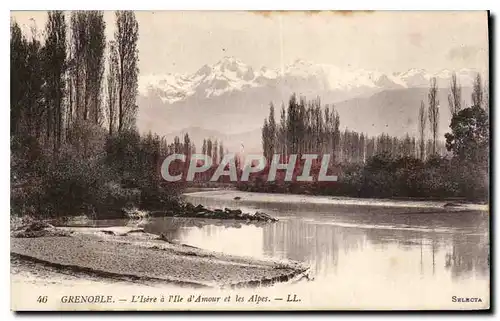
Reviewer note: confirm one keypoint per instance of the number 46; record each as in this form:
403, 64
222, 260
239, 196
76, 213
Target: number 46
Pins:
42, 299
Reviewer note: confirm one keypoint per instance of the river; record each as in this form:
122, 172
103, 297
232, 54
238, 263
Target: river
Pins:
374, 254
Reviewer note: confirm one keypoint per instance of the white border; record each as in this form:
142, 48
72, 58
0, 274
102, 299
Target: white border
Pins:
257, 5
493, 5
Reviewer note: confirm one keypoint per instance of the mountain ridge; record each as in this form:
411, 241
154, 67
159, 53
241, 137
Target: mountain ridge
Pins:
231, 97
231, 74
394, 112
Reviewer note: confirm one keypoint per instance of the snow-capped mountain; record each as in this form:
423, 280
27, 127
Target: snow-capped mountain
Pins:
414, 78
232, 97
225, 76
232, 75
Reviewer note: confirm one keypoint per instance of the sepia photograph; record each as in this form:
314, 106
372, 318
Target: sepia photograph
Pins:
249, 160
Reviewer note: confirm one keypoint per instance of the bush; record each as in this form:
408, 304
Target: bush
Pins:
74, 186
90, 175
385, 176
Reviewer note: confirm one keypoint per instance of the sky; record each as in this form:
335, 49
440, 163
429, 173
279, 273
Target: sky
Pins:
183, 41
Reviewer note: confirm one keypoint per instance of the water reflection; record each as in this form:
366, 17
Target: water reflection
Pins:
432, 245
411, 253
468, 254
439, 241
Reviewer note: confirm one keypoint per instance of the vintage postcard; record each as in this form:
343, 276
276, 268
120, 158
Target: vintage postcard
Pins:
249, 160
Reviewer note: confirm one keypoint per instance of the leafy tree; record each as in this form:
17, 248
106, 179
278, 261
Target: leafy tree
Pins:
18, 73
221, 151
282, 132
335, 133
78, 51
486, 96
209, 147
477, 92
112, 87
126, 37
422, 120
272, 131
94, 65
56, 91
215, 157
433, 113
204, 147
178, 147
55, 66
455, 95
292, 120
265, 139
469, 137
187, 145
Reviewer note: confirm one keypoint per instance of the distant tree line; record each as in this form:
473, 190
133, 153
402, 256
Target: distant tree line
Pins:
308, 127
385, 166
214, 149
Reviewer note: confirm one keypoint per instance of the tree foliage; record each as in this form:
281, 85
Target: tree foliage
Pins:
54, 59
382, 166
455, 95
126, 37
433, 113
63, 160
469, 137
477, 92
422, 121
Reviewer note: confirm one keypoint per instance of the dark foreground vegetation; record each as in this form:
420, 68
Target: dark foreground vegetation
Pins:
75, 149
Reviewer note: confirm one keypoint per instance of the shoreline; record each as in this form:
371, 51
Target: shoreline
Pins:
248, 197
130, 254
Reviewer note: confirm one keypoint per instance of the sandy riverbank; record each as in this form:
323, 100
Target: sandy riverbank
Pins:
124, 253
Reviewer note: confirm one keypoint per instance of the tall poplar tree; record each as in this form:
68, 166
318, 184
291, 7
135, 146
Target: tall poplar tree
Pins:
126, 37
94, 64
422, 121
55, 65
433, 112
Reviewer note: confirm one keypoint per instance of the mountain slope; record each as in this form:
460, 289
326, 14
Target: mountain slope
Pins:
231, 74
394, 111
232, 98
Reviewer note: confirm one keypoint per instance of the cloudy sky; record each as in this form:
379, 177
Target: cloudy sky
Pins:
385, 41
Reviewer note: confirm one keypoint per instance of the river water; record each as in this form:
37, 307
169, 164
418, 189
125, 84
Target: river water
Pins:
371, 254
